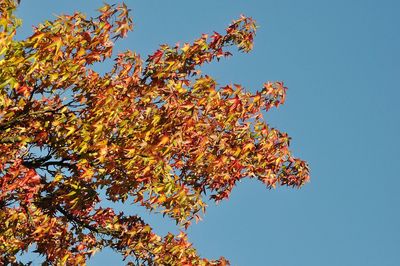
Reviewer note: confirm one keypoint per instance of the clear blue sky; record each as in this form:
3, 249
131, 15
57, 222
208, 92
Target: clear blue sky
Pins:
341, 62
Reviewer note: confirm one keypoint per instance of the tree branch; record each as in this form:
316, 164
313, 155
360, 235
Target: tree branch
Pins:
78, 221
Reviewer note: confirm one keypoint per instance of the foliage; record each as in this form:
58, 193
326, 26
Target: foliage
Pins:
156, 133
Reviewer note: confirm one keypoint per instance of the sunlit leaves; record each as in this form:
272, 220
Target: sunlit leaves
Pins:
155, 133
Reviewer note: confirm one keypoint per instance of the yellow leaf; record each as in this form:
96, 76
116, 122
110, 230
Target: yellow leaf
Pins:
164, 140
71, 130
248, 146
185, 47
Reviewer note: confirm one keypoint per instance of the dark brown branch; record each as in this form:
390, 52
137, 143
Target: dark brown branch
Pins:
37, 162
79, 222
25, 113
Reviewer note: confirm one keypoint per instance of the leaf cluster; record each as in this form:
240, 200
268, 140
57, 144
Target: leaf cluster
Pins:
154, 132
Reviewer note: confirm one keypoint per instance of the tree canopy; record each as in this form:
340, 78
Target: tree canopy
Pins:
156, 133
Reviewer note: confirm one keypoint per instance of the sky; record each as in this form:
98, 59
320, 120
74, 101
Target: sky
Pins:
339, 60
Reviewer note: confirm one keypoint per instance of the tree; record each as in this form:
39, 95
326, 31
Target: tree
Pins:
156, 133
